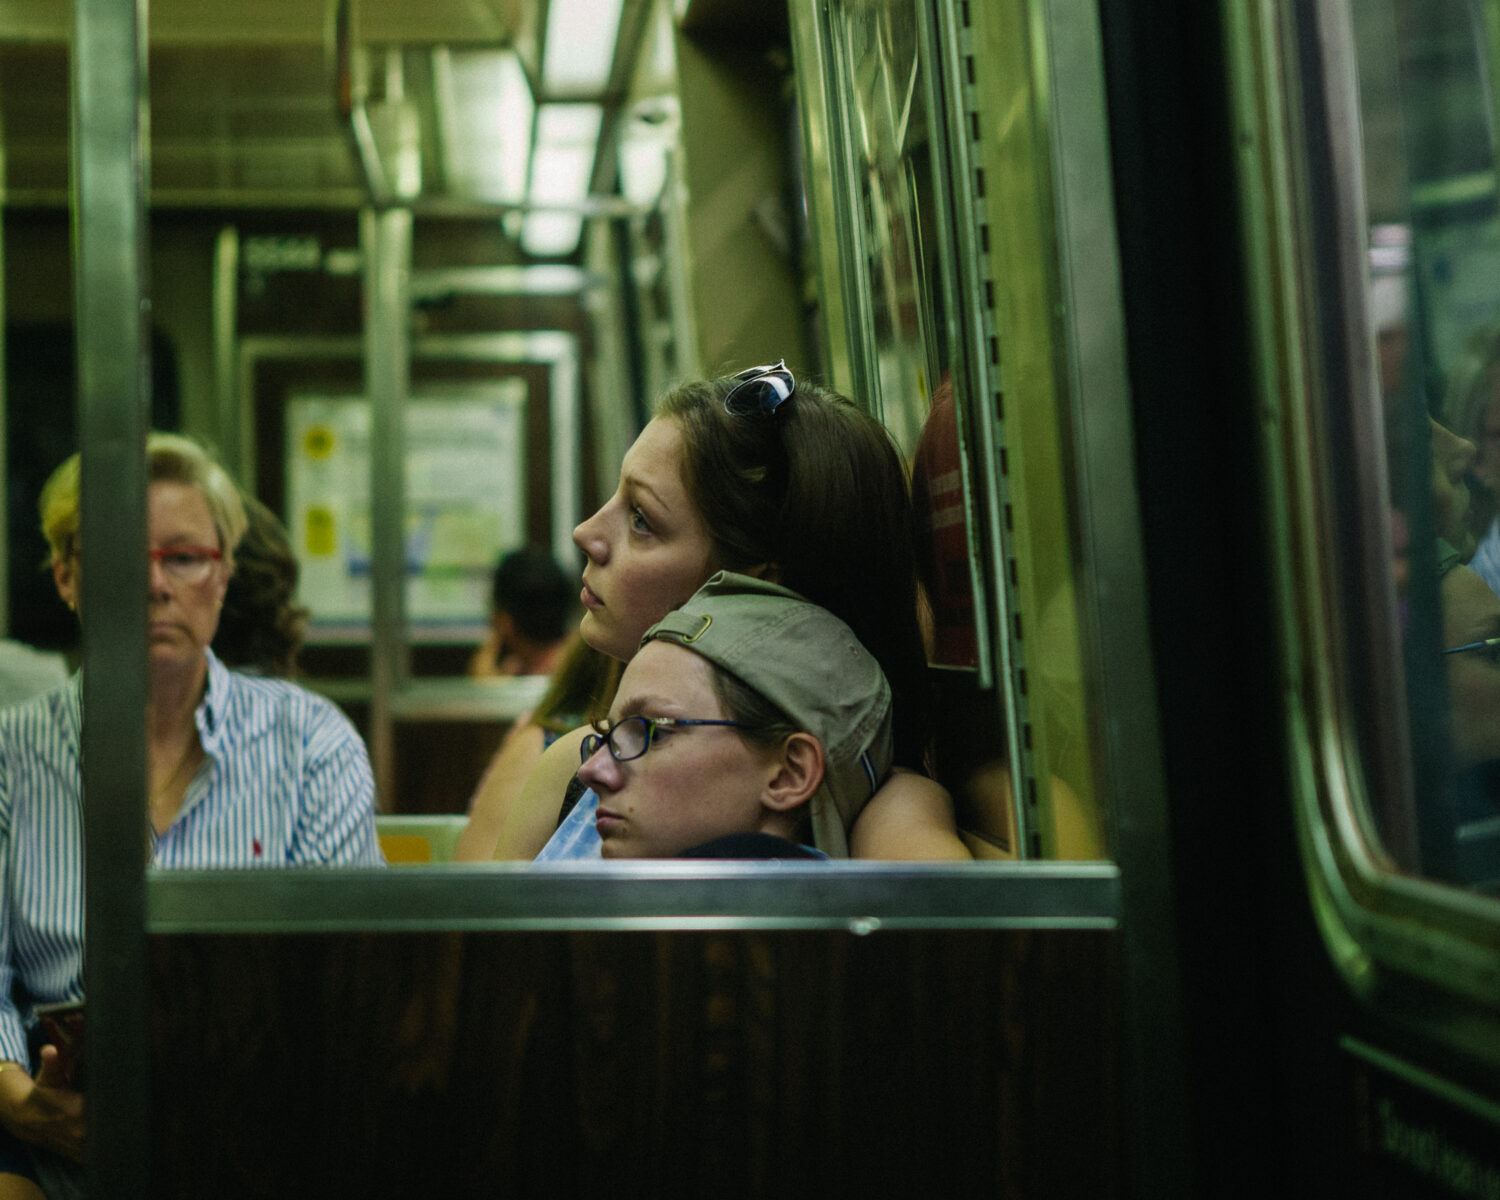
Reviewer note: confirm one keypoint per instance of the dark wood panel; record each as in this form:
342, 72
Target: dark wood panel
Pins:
636, 1064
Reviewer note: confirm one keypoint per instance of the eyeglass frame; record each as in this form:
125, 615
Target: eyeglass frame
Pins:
772, 377
212, 553
593, 742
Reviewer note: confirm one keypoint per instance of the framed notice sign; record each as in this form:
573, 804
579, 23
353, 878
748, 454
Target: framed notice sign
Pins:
465, 502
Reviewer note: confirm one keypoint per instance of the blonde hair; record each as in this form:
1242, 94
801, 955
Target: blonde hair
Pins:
170, 458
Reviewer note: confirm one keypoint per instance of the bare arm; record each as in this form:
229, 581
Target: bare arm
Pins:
517, 757
532, 816
909, 817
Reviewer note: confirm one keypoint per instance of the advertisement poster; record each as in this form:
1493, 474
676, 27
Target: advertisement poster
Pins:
465, 502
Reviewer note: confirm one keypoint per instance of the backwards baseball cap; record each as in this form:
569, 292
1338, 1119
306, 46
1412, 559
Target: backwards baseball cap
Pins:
808, 663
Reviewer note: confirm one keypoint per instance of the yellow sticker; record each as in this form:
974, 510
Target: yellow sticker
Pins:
321, 532
318, 442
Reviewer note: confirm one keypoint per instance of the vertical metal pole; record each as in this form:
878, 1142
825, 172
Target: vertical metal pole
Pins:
109, 90
234, 446
386, 237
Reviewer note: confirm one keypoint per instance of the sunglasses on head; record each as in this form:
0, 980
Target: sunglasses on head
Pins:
760, 390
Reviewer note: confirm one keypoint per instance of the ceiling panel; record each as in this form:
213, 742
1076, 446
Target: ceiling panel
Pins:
283, 21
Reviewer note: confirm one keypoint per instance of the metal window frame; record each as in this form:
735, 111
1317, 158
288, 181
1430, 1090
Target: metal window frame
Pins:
861, 897
1409, 946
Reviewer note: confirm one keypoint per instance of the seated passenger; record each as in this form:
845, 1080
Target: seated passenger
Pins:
531, 610
767, 476
241, 772
750, 723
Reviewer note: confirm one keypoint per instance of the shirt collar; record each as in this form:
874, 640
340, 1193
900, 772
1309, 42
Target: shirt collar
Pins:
211, 712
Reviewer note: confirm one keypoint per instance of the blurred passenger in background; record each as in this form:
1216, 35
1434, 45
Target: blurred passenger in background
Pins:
531, 614
1452, 497
261, 627
25, 672
1471, 408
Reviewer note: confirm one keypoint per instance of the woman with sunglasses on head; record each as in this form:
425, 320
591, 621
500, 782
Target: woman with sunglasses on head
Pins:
772, 478
241, 772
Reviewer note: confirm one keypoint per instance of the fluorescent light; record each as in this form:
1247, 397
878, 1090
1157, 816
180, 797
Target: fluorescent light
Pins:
572, 124
567, 139
580, 48
487, 132
551, 235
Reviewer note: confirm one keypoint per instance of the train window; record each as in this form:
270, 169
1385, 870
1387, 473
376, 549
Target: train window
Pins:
1392, 376
1432, 305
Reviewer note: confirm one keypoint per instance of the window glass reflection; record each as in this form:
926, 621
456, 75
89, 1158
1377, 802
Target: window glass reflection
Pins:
1434, 310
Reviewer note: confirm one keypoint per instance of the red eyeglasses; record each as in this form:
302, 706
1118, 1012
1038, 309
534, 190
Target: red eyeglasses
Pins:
186, 564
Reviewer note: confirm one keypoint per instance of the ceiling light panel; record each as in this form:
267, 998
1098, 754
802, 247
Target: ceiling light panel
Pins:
487, 131
580, 49
567, 138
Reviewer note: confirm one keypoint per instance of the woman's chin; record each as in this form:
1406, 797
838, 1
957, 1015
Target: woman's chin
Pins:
591, 630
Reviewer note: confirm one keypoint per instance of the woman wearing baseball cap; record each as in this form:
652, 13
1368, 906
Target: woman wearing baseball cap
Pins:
751, 723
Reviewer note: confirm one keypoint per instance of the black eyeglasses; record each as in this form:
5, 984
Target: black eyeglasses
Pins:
760, 390
630, 737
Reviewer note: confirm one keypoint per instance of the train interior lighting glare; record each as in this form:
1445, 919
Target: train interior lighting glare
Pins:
562, 163
487, 112
580, 49
644, 146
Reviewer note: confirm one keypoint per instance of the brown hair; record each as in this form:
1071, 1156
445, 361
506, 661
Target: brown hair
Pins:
260, 627
582, 686
817, 492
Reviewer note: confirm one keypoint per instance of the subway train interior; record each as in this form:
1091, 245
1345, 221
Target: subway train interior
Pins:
1177, 313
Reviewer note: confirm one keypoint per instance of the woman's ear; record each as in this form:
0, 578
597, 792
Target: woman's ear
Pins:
66, 579
799, 773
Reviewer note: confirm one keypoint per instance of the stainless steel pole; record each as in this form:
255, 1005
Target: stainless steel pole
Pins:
109, 198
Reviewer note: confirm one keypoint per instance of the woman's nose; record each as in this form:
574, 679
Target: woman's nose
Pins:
588, 536
157, 580
600, 770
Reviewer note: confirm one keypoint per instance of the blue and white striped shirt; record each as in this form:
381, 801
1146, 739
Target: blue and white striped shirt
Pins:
286, 782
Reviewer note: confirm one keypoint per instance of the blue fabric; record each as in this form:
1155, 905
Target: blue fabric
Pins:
286, 782
577, 838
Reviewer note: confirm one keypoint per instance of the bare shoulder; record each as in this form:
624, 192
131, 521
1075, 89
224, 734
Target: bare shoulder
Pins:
909, 817
503, 779
532, 816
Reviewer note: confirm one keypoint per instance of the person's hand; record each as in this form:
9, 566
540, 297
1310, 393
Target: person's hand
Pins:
45, 1111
